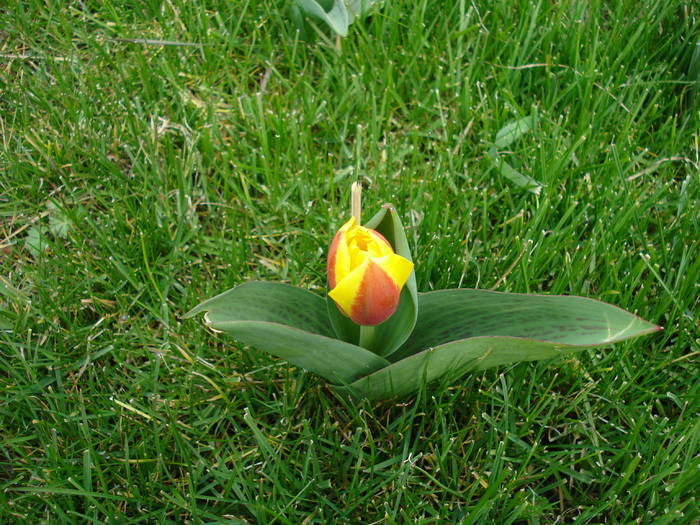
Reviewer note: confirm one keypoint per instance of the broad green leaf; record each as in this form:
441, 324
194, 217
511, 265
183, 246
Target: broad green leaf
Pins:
6, 320
36, 240
334, 14
514, 130
345, 328
451, 360
337, 14
339, 362
59, 223
290, 323
513, 175
267, 302
504, 138
459, 331
450, 315
358, 8
390, 334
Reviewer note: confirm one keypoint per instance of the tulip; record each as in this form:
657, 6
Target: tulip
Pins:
365, 276
425, 337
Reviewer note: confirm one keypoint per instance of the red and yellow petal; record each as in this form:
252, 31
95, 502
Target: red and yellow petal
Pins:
345, 290
339, 261
370, 294
377, 297
396, 267
338, 244
364, 274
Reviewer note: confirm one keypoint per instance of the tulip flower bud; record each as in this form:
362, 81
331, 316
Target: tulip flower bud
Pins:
365, 276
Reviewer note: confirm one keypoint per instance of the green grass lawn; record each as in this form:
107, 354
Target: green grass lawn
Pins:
138, 178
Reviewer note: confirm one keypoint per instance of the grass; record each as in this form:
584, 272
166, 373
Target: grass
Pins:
139, 178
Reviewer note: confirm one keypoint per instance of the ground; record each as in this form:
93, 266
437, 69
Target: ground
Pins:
156, 153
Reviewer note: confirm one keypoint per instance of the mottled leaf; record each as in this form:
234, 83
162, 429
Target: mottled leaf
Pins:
290, 323
450, 315
466, 330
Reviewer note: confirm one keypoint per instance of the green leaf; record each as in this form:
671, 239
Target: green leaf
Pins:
267, 302
36, 240
451, 360
290, 323
390, 334
465, 330
11, 292
345, 328
298, 20
13, 296
335, 14
513, 175
514, 130
59, 223
504, 138
450, 315
6, 320
694, 71
358, 8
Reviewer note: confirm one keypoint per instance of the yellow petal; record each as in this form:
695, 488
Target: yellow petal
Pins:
341, 262
380, 247
339, 258
348, 224
345, 291
397, 267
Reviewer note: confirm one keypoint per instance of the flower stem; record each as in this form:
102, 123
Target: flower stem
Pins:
356, 201
366, 336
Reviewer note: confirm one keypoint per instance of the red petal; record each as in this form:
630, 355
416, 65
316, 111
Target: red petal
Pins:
377, 297
330, 266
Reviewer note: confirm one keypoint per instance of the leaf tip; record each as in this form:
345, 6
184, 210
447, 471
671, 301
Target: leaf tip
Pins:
194, 311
